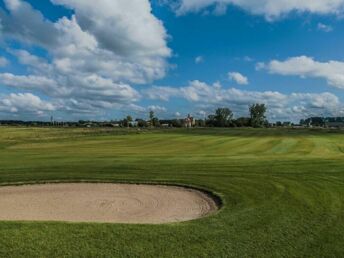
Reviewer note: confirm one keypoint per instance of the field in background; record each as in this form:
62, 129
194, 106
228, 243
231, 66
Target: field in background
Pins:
283, 190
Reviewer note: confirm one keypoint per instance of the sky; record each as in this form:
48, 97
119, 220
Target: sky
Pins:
74, 59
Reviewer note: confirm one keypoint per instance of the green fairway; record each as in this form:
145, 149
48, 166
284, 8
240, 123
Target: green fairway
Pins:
283, 190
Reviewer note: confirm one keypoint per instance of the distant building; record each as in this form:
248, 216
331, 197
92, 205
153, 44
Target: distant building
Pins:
335, 124
133, 124
189, 121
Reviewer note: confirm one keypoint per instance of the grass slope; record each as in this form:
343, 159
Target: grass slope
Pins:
283, 191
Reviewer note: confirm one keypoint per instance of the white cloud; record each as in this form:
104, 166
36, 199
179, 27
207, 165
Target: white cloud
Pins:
238, 78
157, 109
324, 27
27, 24
303, 66
202, 113
24, 103
292, 106
29, 82
3, 62
160, 93
25, 58
199, 59
248, 59
121, 26
271, 9
91, 92
94, 56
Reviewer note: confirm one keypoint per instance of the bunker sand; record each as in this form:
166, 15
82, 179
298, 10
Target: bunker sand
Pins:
111, 203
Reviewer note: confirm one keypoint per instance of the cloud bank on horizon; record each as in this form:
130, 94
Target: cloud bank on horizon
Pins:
94, 55
118, 55
271, 9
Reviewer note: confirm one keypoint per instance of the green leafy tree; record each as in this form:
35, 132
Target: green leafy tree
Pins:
257, 112
211, 122
128, 120
223, 117
151, 117
156, 122
177, 123
141, 123
200, 123
242, 122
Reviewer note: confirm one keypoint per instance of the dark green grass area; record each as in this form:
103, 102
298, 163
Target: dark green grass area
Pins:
283, 190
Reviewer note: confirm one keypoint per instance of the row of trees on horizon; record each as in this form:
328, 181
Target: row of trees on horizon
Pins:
223, 117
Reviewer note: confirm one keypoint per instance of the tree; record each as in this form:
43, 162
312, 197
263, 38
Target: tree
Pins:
257, 112
223, 117
141, 123
127, 121
211, 122
177, 123
242, 122
151, 117
200, 123
156, 122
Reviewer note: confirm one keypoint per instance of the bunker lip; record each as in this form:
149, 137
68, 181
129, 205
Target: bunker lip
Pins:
105, 202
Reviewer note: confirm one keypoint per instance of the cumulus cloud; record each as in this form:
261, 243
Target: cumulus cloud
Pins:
303, 66
160, 93
199, 59
28, 82
157, 109
271, 9
24, 102
94, 56
121, 26
27, 24
292, 106
3, 62
238, 78
324, 27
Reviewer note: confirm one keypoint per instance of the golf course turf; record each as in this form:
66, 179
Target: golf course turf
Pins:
282, 190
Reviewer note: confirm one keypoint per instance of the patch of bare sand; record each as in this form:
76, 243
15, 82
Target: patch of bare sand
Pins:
114, 203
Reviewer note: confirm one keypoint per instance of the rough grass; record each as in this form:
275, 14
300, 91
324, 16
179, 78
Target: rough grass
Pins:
283, 190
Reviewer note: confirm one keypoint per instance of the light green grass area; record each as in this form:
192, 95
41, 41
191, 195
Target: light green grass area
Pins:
283, 190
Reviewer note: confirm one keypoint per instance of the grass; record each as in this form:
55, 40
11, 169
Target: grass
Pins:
283, 190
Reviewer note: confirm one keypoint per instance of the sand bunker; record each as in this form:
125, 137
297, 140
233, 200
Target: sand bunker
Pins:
116, 203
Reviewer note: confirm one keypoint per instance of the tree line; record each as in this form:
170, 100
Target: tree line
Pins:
224, 117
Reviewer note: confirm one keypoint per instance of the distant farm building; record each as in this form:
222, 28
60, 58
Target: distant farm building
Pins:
335, 124
133, 123
189, 121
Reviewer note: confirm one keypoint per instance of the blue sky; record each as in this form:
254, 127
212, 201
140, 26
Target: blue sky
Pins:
76, 60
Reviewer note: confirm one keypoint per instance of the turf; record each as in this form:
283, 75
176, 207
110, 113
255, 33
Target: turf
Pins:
283, 190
